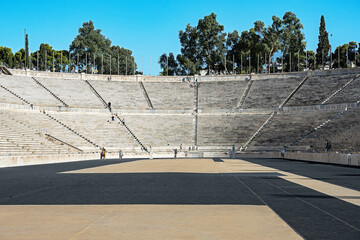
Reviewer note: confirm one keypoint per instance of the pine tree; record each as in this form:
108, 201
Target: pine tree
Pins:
322, 51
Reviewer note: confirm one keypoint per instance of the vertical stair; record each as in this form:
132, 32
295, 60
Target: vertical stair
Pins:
146, 95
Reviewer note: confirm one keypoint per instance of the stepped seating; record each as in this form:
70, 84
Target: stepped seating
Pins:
122, 95
270, 93
227, 130
7, 97
43, 124
162, 130
75, 93
99, 128
18, 138
286, 127
28, 89
170, 95
342, 132
350, 94
317, 88
220, 95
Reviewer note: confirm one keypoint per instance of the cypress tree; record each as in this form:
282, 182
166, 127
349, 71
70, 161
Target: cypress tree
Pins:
27, 50
323, 45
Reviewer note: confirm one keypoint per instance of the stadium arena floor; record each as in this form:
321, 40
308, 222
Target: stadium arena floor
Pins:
219, 198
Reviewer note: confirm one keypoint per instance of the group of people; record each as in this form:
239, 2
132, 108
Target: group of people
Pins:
103, 154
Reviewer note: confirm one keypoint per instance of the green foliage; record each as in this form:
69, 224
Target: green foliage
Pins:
344, 55
322, 51
169, 65
203, 46
27, 51
6, 56
94, 52
292, 40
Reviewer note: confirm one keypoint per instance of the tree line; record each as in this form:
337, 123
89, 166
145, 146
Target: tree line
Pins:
280, 46
89, 52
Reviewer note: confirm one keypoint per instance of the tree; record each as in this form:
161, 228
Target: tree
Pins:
169, 65
346, 53
91, 46
6, 56
203, 46
270, 36
292, 40
211, 42
323, 45
27, 51
189, 59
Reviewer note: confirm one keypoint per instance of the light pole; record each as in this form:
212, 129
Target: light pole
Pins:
25, 47
306, 61
69, 69
77, 64
53, 62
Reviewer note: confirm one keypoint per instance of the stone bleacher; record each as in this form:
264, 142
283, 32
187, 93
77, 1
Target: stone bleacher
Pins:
162, 131
28, 89
84, 128
228, 129
170, 95
122, 95
343, 133
287, 127
18, 138
317, 88
350, 94
41, 123
270, 93
75, 93
99, 128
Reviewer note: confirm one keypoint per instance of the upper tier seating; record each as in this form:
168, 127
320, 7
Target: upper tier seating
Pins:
170, 95
75, 93
220, 95
28, 89
270, 93
122, 95
317, 88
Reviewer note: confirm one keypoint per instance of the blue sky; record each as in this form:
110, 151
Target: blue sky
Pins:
150, 28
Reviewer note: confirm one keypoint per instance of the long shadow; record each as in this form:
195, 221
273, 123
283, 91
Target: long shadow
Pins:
338, 175
307, 211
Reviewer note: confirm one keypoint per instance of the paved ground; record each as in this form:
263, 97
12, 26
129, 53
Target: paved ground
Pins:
218, 198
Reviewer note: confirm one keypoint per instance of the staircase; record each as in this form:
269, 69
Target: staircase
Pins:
336, 116
340, 89
4, 70
293, 92
22, 99
258, 131
245, 93
146, 95
66, 105
72, 130
97, 94
131, 133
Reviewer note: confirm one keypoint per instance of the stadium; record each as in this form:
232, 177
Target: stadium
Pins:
201, 116
249, 131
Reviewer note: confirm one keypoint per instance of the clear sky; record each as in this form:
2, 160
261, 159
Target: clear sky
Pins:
150, 28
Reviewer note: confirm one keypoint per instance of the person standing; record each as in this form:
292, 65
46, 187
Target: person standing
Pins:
175, 153
120, 155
